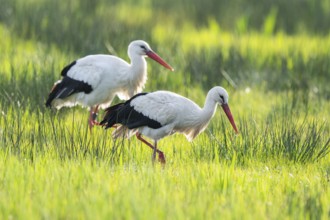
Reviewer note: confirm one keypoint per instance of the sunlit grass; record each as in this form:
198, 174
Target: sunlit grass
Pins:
53, 167
90, 189
249, 44
278, 167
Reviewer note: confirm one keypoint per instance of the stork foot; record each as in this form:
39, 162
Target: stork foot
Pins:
96, 123
92, 123
161, 158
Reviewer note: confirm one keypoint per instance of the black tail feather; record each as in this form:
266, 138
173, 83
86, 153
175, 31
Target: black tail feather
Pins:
53, 93
66, 87
111, 115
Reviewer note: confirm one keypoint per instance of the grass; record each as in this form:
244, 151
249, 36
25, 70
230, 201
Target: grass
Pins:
52, 168
278, 167
92, 189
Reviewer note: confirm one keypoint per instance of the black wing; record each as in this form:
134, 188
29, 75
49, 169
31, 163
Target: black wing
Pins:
125, 114
66, 87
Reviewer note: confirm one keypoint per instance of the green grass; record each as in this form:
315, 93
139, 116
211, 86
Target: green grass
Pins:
52, 167
87, 189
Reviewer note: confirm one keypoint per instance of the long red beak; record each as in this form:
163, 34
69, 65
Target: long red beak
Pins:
157, 58
226, 109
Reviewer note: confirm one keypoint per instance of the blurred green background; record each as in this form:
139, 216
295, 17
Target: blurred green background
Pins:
272, 56
275, 45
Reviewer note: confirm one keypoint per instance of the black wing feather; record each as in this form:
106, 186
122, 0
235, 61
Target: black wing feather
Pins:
66, 69
66, 87
125, 114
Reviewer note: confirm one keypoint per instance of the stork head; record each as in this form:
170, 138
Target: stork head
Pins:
221, 96
142, 48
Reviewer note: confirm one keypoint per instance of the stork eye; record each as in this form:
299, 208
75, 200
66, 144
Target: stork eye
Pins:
143, 47
222, 98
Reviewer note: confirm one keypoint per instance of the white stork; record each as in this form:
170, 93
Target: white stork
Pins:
162, 113
94, 80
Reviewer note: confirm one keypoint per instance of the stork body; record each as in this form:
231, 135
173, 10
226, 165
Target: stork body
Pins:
93, 81
162, 113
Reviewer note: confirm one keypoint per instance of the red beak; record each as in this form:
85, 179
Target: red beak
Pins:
226, 109
157, 58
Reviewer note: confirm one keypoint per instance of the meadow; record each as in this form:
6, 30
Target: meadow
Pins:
275, 67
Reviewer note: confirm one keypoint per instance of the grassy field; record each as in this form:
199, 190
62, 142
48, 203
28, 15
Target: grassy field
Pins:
278, 167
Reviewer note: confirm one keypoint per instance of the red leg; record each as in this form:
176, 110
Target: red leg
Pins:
92, 117
161, 157
90, 120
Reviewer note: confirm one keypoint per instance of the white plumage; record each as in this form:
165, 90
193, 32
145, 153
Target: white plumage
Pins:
163, 113
93, 81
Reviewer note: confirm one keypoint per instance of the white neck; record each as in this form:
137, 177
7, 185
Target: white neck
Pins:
138, 64
202, 118
137, 74
209, 108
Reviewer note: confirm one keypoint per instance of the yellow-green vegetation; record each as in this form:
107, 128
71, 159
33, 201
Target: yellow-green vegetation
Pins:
276, 71
87, 188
